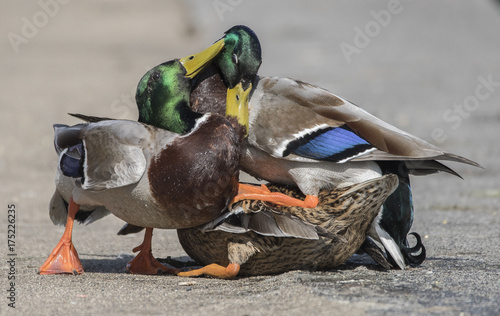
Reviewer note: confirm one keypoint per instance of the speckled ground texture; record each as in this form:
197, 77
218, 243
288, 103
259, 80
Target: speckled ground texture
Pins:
418, 68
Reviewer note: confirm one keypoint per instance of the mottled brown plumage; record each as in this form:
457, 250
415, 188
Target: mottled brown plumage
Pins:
341, 219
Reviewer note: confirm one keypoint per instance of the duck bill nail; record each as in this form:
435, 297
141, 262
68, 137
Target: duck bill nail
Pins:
195, 63
237, 104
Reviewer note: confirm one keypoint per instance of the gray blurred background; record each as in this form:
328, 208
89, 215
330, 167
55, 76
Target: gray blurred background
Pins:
423, 66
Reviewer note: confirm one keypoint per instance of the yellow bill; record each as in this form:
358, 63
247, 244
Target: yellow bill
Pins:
237, 104
195, 63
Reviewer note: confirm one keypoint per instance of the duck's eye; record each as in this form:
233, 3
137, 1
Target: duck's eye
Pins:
156, 76
237, 97
234, 58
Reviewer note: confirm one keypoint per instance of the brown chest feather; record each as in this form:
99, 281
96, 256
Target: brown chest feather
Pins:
209, 92
196, 176
209, 96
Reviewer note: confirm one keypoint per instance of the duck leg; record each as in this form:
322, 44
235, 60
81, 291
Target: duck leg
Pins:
262, 193
64, 258
214, 270
144, 262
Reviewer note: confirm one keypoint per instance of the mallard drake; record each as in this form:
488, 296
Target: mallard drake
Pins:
163, 96
303, 135
260, 238
147, 176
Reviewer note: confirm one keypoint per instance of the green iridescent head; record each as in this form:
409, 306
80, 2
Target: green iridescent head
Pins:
241, 57
163, 98
162, 95
163, 92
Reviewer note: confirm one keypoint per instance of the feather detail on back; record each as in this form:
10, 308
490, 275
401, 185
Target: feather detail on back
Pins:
148, 176
271, 220
108, 153
261, 218
298, 106
341, 221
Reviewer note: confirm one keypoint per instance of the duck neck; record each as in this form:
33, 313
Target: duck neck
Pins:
176, 116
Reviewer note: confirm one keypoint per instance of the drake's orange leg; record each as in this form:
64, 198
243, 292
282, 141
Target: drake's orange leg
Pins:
64, 258
262, 193
144, 262
214, 270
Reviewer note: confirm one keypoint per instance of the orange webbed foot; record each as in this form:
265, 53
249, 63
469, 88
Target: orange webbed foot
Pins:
262, 193
144, 262
64, 258
214, 270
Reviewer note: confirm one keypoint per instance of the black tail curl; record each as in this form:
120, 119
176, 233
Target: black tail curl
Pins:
414, 255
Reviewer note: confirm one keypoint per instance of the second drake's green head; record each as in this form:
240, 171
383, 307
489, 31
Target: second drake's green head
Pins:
241, 57
163, 92
238, 63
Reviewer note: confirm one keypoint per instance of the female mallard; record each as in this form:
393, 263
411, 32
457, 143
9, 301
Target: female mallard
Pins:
239, 243
300, 134
147, 176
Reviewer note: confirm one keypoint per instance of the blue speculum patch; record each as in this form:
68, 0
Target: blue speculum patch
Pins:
332, 144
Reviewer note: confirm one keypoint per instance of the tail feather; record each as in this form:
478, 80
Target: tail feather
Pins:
90, 119
58, 212
396, 218
129, 229
457, 158
416, 254
391, 247
425, 167
58, 209
376, 252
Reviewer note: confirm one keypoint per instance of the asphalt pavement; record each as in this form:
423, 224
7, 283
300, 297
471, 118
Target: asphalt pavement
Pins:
430, 68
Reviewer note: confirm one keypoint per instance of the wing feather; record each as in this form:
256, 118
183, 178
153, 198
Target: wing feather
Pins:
299, 106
